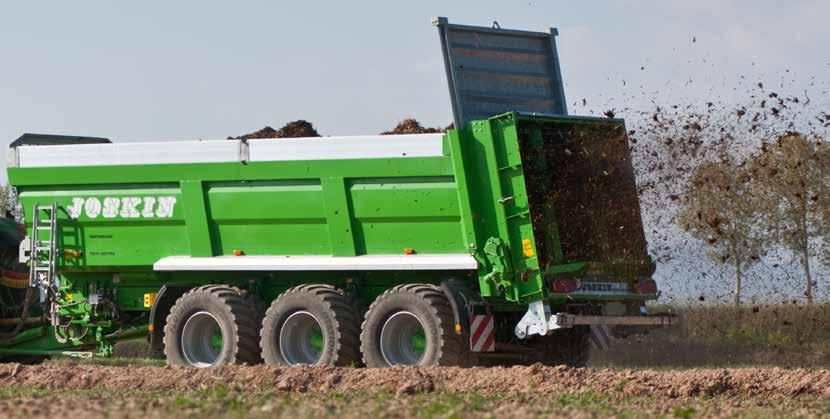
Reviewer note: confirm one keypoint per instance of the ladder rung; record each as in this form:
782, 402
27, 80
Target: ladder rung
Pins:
43, 251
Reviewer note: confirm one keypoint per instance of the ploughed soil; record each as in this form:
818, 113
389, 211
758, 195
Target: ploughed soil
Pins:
94, 390
767, 383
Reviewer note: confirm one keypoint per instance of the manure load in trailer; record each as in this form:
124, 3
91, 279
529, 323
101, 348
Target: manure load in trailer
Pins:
506, 240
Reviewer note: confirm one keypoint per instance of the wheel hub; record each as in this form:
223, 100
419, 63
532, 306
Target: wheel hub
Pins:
202, 340
402, 339
301, 339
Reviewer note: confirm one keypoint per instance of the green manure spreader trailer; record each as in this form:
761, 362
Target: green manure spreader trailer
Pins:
514, 238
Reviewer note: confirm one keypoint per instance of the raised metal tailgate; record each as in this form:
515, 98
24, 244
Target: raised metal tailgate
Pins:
492, 71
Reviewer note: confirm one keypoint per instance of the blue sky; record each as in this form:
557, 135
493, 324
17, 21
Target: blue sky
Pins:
156, 70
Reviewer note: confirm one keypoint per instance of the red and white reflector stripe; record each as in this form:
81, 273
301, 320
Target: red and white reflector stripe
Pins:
482, 333
600, 337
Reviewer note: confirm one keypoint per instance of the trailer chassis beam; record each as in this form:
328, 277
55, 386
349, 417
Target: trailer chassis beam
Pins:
539, 321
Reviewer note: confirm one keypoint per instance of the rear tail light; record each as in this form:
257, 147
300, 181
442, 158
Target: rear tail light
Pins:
564, 285
646, 286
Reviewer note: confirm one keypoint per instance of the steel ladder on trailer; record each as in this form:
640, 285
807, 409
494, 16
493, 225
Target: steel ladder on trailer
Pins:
42, 254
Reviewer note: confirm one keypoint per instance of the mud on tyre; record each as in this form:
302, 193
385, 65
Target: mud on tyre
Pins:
209, 326
411, 325
311, 325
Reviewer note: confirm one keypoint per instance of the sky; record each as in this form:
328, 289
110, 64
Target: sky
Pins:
161, 70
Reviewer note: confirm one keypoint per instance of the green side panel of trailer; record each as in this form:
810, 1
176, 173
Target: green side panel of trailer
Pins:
340, 208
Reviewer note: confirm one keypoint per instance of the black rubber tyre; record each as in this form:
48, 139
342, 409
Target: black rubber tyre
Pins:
566, 347
322, 307
256, 304
429, 305
236, 319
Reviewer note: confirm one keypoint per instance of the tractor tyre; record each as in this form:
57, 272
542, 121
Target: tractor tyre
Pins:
209, 326
411, 324
311, 325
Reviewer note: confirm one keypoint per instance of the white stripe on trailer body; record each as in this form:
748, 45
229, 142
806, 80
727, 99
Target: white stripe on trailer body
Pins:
228, 151
123, 154
482, 333
345, 148
421, 262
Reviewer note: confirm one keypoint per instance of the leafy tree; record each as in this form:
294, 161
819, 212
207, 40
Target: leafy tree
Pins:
823, 153
791, 176
719, 208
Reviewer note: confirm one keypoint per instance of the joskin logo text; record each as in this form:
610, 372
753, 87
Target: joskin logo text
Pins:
125, 207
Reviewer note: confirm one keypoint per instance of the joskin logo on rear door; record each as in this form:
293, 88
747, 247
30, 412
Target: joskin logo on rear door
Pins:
124, 207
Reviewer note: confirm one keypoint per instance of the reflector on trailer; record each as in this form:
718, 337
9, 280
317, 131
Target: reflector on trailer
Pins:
600, 337
482, 333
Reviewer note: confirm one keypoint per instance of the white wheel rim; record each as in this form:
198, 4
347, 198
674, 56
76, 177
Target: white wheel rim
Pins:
301, 339
399, 339
198, 340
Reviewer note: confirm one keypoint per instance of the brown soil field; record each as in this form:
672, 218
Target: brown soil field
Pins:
56, 389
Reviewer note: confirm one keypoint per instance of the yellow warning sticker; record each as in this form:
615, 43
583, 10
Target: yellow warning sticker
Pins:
527, 247
149, 299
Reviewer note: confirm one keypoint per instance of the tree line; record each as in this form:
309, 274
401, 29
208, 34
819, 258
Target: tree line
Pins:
774, 199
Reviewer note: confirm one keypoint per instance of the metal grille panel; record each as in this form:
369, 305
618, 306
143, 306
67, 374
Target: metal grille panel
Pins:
492, 71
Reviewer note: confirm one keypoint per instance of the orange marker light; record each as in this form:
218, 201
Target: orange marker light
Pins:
237, 252
150, 327
409, 251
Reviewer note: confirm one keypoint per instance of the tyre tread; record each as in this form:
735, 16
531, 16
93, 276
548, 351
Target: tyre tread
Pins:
243, 320
452, 351
347, 351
